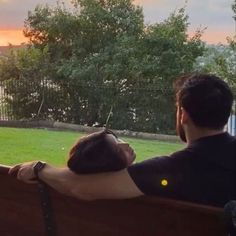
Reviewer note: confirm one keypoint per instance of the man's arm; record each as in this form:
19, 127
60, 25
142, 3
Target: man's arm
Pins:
111, 185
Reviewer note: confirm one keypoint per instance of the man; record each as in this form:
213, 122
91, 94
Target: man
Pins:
204, 172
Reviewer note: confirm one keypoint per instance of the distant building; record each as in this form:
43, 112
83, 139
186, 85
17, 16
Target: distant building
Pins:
231, 126
5, 49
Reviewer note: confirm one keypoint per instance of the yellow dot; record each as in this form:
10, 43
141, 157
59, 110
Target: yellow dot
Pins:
164, 182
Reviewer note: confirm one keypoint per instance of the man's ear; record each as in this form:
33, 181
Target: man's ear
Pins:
184, 116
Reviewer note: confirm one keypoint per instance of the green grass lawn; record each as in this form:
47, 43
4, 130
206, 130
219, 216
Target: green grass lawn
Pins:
20, 145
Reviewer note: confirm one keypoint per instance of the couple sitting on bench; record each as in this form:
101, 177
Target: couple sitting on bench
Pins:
204, 172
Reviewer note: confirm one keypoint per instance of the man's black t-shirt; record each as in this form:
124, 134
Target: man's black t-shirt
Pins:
204, 172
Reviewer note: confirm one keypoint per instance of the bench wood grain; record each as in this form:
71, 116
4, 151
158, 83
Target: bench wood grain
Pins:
21, 214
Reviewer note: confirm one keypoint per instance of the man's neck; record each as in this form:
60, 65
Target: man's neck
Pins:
198, 133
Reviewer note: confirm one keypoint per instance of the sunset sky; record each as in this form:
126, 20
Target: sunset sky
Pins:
216, 15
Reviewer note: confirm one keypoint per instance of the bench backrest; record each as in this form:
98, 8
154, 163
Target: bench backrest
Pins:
21, 214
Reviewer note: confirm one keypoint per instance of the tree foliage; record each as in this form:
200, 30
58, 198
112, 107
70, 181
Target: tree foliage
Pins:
100, 55
221, 59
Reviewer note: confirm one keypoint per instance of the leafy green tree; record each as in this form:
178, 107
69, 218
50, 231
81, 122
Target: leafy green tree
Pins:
101, 55
221, 59
104, 25
29, 92
168, 52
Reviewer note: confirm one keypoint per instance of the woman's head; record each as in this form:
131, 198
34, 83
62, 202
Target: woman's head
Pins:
100, 152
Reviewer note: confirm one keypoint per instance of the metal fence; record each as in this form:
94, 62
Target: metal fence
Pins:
21, 99
47, 100
90, 104
4, 107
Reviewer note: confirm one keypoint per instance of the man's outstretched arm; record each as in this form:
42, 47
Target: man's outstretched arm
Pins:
110, 185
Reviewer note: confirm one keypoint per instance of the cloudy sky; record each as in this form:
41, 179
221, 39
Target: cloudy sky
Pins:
216, 15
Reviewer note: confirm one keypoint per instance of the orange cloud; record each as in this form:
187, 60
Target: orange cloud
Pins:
14, 37
213, 37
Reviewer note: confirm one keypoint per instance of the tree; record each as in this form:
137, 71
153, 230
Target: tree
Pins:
96, 26
101, 55
29, 92
221, 59
164, 53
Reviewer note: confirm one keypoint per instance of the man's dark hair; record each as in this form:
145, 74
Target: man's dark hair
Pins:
207, 99
95, 154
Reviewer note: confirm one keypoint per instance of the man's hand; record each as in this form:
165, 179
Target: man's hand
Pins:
24, 172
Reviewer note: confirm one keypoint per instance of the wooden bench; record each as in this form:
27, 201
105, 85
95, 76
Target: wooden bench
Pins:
21, 214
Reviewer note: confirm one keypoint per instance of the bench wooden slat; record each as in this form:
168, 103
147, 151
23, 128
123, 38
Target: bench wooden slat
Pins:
21, 214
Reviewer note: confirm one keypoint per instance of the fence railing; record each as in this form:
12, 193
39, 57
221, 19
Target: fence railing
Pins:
134, 107
4, 106
47, 100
